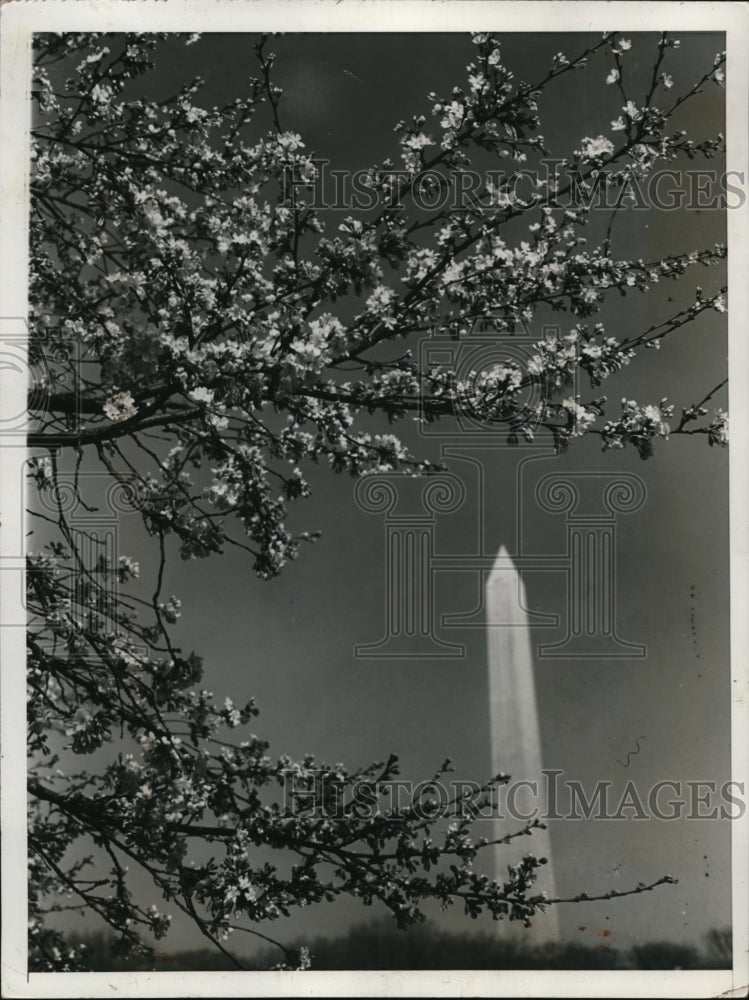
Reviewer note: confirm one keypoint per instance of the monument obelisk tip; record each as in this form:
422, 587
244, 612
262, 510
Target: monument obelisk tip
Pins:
503, 558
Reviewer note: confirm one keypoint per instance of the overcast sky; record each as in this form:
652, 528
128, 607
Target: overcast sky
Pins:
289, 643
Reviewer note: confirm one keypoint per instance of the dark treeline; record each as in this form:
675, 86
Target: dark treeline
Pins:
380, 946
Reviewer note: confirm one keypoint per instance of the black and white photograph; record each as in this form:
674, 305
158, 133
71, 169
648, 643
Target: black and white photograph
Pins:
373, 556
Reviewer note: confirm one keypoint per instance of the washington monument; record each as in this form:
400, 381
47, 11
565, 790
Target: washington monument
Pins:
515, 736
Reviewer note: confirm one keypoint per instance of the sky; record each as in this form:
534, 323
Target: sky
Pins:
290, 643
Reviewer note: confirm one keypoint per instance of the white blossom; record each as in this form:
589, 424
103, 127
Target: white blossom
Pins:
120, 406
596, 149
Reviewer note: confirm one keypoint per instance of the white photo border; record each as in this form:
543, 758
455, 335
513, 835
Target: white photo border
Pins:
18, 21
